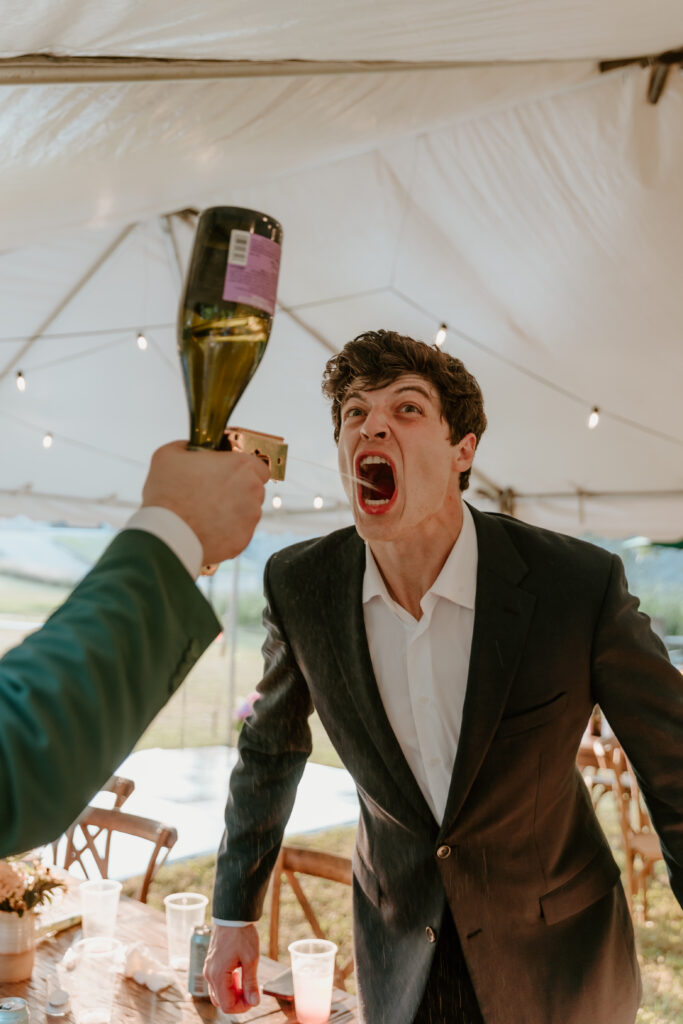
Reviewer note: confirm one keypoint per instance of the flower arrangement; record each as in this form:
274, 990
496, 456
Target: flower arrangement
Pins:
25, 886
245, 709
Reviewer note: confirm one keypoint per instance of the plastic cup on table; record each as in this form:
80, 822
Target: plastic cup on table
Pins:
99, 907
88, 973
313, 975
184, 910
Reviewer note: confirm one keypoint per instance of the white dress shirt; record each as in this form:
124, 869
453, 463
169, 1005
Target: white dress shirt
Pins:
421, 666
173, 531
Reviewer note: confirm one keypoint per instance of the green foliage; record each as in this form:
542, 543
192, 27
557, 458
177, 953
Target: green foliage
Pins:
665, 605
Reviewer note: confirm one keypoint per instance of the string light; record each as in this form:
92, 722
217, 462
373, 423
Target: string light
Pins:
142, 341
440, 335
318, 502
277, 501
594, 418
21, 381
47, 441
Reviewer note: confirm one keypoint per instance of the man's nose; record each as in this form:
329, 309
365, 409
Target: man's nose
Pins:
375, 425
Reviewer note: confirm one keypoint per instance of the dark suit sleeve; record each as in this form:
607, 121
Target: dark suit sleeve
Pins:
76, 695
641, 694
274, 745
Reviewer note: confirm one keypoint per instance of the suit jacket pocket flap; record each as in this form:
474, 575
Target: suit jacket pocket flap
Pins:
365, 878
591, 883
523, 721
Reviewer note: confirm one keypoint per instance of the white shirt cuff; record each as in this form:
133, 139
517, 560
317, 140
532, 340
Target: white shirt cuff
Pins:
231, 924
173, 531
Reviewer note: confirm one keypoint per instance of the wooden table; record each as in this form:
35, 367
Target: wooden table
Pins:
135, 1004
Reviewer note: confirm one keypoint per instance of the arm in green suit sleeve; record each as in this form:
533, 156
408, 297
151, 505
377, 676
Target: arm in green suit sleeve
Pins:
76, 695
274, 745
641, 694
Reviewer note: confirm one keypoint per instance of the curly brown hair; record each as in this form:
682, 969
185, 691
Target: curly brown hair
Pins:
376, 358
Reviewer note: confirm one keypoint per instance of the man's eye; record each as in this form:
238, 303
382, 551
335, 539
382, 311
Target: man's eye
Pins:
353, 411
409, 407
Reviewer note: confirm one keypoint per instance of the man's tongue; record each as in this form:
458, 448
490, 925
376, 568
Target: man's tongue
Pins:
379, 482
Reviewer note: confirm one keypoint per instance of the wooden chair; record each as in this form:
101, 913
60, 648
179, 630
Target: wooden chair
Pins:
597, 776
639, 839
88, 841
121, 787
293, 861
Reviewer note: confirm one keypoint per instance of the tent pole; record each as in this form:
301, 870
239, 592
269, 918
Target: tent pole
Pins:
44, 69
171, 244
232, 666
306, 327
68, 298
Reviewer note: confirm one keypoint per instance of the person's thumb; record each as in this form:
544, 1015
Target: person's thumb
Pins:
250, 983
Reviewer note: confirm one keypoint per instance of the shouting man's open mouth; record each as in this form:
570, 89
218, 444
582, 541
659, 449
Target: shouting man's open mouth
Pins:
377, 492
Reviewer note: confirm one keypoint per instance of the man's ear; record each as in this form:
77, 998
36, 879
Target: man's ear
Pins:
464, 450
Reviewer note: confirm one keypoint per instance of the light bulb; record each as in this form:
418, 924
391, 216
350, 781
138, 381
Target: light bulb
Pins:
21, 381
594, 418
277, 501
142, 342
318, 502
47, 441
440, 335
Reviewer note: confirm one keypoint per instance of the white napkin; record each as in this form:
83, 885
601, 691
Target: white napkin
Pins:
140, 965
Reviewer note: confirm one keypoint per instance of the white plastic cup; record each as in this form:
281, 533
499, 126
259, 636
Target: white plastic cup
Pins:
88, 973
184, 910
99, 907
313, 975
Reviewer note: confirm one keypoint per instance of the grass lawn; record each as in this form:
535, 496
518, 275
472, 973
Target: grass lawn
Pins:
660, 949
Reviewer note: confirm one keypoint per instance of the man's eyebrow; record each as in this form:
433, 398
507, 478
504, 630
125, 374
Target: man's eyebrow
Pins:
353, 396
415, 387
359, 396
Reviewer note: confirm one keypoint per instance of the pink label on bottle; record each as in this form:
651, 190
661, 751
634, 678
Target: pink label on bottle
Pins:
252, 277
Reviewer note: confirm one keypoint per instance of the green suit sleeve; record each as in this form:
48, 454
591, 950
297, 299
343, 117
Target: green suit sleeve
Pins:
76, 695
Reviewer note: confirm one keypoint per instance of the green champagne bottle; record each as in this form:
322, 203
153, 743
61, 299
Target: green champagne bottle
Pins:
226, 313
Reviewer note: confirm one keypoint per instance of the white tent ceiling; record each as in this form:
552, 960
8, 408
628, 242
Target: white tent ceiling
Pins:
532, 203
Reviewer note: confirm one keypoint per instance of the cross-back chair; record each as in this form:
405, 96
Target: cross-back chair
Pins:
88, 842
641, 845
121, 787
293, 861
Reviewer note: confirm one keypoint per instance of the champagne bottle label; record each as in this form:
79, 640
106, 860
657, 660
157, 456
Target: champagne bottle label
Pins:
252, 271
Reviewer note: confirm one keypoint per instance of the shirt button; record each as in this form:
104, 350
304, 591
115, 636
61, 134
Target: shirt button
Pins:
443, 852
429, 932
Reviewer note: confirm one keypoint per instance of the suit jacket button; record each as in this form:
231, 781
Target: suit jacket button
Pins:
429, 932
443, 852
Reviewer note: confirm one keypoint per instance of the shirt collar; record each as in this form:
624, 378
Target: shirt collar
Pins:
457, 581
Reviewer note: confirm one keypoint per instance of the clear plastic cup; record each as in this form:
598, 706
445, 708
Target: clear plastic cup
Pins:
313, 975
99, 907
184, 910
88, 973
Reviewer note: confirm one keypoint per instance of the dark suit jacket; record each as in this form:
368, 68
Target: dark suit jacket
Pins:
76, 695
528, 875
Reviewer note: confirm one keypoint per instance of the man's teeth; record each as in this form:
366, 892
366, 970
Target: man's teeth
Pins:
373, 460
376, 501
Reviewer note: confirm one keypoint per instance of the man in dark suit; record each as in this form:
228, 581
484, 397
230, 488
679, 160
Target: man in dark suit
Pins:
76, 695
454, 658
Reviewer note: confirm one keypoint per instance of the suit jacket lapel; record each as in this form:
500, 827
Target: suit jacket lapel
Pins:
346, 631
502, 616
